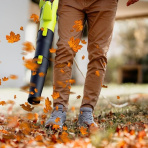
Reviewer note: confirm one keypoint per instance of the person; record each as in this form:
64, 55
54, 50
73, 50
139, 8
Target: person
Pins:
100, 16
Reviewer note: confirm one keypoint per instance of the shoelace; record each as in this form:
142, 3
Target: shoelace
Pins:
57, 113
87, 116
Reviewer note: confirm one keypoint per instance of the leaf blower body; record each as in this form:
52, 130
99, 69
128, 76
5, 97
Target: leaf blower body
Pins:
48, 17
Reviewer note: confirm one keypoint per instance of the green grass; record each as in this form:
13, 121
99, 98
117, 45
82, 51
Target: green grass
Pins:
118, 127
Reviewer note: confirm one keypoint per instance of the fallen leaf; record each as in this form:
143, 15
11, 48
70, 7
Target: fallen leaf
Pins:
55, 126
36, 117
4, 131
64, 137
103, 120
8, 136
12, 122
65, 128
122, 144
57, 119
25, 127
83, 130
38, 138
42, 122
141, 134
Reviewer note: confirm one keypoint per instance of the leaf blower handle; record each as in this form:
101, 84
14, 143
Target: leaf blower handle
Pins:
48, 18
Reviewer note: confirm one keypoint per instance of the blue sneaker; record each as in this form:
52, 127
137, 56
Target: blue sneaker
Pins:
55, 115
86, 117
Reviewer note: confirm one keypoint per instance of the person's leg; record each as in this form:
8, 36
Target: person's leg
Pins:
68, 11
100, 17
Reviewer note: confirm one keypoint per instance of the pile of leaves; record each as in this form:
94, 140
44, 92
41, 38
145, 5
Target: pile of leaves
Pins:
119, 128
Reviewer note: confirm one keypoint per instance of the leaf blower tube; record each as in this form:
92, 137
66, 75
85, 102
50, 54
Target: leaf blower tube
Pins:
48, 17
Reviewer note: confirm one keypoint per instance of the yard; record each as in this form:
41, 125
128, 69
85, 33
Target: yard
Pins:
121, 114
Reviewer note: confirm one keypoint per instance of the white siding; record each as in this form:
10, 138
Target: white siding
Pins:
13, 15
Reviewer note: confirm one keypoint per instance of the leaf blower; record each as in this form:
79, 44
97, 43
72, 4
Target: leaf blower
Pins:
48, 18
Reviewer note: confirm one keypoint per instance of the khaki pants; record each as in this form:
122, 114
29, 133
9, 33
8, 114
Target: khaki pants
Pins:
100, 16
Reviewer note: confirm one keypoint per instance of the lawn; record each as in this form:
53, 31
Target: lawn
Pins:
118, 126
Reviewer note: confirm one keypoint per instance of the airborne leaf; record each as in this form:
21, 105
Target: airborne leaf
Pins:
21, 28
14, 77
35, 18
74, 44
28, 46
55, 95
27, 107
5, 79
12, 37
78, 25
